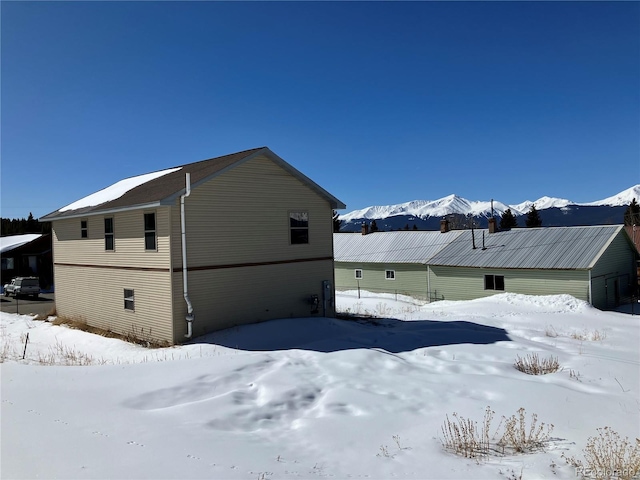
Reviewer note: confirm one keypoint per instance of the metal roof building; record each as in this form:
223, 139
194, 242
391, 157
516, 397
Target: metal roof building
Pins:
391, 247
529, 248
593, 263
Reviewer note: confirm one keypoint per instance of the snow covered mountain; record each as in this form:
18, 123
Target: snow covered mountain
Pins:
560, 211
455, 204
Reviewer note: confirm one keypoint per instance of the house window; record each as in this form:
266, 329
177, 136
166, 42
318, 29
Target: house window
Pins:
84, 230
149, 231
494, 282
358, 273
108, 234
7, 263
390, 274
129, 299
299, 227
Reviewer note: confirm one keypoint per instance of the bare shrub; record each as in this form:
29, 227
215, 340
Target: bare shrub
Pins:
463, 437
533, 365
591, 336
518, 438
608, 456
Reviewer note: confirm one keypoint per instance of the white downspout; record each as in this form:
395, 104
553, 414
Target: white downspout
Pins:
190, 316
590, 297
428, 284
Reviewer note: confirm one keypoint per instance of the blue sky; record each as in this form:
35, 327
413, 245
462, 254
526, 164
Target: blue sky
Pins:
378, 102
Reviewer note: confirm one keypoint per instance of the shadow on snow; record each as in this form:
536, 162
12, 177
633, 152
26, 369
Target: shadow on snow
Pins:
331, 335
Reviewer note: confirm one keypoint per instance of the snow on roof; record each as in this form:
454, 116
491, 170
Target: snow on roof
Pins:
15, 241
116, 190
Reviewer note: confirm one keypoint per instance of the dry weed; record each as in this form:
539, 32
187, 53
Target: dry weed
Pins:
608, 456
591, 336
533, 365
517, 438
463, 437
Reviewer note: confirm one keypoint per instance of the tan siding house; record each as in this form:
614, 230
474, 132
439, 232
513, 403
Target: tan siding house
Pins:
258, 240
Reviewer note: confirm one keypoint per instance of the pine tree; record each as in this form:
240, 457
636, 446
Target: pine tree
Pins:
533, 218
374, 226
415, 227
508, 220
406, 227
337, 223
632, 214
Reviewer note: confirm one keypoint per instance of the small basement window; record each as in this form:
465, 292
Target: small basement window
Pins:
149, 231
129, 299
109, 243
299, 227
84, 230
494, 282
358, 273
390, 274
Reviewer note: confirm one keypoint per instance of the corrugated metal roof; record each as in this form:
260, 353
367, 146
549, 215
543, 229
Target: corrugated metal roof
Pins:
390, 247
529, 248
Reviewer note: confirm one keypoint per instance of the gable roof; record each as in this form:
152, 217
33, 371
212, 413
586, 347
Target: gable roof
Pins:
14, 241
390, 247
565, 248
164, 187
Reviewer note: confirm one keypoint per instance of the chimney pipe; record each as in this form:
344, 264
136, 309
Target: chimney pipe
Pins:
444, 225
473, 238
492, 225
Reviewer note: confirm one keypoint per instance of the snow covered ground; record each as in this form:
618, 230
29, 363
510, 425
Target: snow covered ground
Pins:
312, 398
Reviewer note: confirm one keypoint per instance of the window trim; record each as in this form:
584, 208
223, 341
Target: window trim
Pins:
84, 229
110, 235
492, 281
389, 277
296, 228
130, 298
355, 273
148, 231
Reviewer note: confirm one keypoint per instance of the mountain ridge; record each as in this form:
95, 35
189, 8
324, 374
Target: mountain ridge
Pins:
453, 204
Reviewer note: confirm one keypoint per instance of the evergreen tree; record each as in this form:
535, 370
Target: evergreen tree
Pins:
415, 227
632, 214
337, 223
508, 220
533, 218
406, 227
374, 226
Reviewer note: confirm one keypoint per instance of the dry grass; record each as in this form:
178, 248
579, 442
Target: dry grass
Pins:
518, 438
139, 337
608, 456
465, 437
63, 355
590, 336
534, 365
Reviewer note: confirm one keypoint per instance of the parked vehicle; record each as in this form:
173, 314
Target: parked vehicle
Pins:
23, 286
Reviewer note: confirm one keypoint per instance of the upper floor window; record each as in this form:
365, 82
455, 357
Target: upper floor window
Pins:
299, 227
494, 282
358, 273
109, 243
390, 274
84, 230
149, 231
